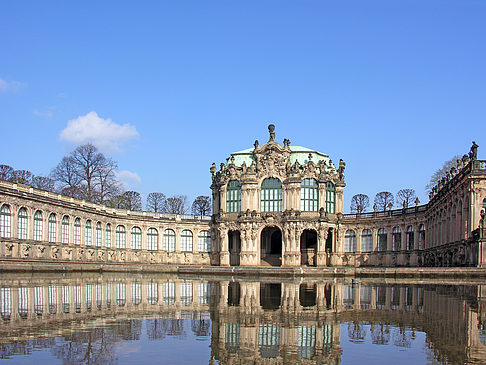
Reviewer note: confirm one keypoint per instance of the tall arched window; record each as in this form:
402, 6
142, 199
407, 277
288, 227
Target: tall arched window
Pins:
120, 237
421, 237
38, 226
87, 233
136, 238
309, 195
152, 239
77, 231
330, 197
5, 221
350, 241
22, 224
366, 241
186, 240
382, 239
169, 240
396, 239
204, 241
271, 195
108, 235
233, 196
410, 238
98, 234
51, 228
65, 230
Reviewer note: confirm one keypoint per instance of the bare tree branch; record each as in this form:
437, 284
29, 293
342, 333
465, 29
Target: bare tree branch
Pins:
201, 205
155, 202
383, 199
359, 202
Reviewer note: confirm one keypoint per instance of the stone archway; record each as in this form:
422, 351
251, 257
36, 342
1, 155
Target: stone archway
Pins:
308, 247
234, 246
271, 246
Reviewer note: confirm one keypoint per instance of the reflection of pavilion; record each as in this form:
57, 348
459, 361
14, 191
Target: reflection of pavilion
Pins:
248, 321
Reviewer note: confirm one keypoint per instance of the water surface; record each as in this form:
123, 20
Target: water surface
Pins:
133, 319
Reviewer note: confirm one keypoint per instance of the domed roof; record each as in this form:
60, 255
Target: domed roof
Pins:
297, 153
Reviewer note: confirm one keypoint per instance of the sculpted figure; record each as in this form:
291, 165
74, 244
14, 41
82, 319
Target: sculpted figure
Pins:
473, 154
271, 130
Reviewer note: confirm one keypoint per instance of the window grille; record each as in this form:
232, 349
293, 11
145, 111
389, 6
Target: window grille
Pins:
233, 196
271, 195
309, 195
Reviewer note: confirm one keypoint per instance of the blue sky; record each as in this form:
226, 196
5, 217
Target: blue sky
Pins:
394, 88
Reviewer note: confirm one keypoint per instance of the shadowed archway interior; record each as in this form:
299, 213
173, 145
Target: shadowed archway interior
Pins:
271, 246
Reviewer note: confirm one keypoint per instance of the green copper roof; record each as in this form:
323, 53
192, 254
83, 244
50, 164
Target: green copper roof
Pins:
298, 153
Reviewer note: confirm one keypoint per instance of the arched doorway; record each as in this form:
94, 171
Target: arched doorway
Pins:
271, 246
234, 246
308, 247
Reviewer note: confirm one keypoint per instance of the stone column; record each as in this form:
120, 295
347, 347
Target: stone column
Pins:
321, 258
144, 237
224, 253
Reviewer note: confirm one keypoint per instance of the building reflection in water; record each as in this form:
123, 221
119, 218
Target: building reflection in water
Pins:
81, 319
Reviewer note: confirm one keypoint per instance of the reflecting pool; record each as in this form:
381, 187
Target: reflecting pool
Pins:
134, 319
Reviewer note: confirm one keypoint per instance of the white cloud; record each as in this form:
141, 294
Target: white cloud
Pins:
103, 133
128, 179
14, 86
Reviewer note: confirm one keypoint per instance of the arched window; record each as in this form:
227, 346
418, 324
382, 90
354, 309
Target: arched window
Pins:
396, 239
22, 224
366, 241
77, 231
421, 237
38, 226
271, 195
410, 238
136, 238
204, 241
330, 197
51, 228
169, 240
120, 237
309, 195
382, 239
152, 239
98, 234
108, 235
65, 229
233, 196
186, 240
350, 241
87, 233
5, 221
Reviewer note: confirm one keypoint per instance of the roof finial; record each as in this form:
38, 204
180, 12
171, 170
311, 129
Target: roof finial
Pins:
271, 130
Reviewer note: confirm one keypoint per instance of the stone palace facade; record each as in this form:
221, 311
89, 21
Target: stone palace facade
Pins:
273, 205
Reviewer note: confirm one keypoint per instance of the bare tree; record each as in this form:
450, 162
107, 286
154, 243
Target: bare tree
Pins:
22, 177
43, 183
406, 197
360, 202
108, 185
201, 205
441, 173
175, 204
383, 199
155, 202
6, 172
87, 174
133, 200
67, 178
130, 200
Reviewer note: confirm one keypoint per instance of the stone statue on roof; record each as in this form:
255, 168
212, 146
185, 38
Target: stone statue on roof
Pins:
271, 130
473, 154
